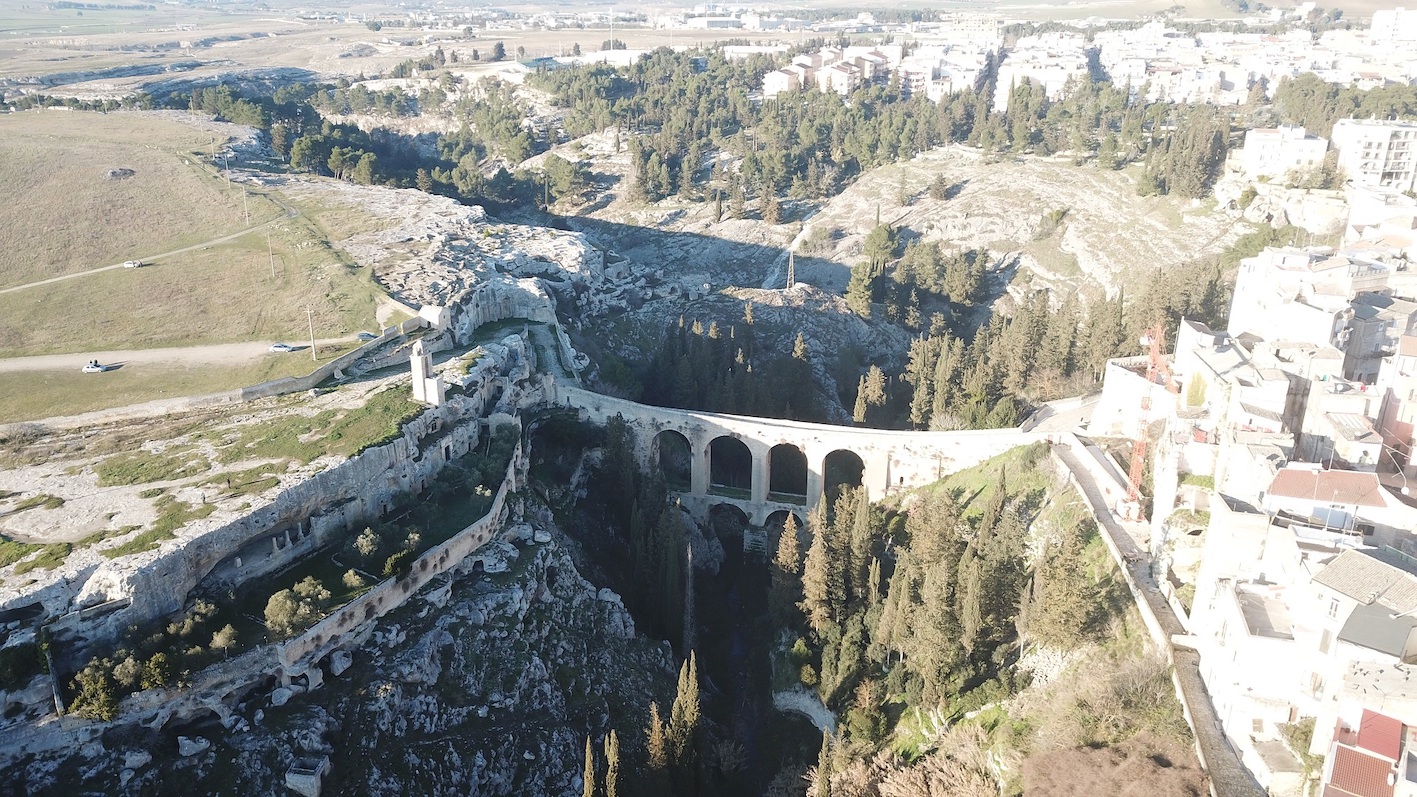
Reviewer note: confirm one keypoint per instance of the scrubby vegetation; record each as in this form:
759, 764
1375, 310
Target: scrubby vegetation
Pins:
160, 656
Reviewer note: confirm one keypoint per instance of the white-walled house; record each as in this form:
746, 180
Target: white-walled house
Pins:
1276, 152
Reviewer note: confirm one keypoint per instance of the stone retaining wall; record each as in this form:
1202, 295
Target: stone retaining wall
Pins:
327, 634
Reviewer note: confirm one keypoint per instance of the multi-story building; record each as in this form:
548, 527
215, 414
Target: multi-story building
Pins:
1394, 25
1377, 154
1276, 152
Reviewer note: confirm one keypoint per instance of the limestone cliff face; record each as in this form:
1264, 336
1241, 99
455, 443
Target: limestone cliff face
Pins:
486, 683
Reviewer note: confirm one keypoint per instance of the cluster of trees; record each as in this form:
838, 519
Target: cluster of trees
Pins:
290, 611
1039, 352
1187, 162
343, 100
384, 549
674, 748
1033, 354
161, 657
1310, 101
925, 285
414, 66
924, 603
228, 104
721, 370
682, 107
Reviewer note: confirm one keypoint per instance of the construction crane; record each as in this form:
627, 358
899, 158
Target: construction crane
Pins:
1158, 372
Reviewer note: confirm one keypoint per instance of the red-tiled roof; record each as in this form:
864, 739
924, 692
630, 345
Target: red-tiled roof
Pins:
1380, 734
1358, 774
1407, 346
1328, 486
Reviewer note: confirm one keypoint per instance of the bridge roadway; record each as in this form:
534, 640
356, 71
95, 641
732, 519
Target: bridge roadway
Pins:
902, 460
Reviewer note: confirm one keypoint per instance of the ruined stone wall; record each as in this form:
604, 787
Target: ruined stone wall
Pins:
324, 636
353, 493
498, 300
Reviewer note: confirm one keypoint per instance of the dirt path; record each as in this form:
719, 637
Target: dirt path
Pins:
290, 212
215, 354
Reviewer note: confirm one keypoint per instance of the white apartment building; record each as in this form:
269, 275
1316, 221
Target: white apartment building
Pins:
1377, 154
1300, 295
1276, 152
1394, 25
780, 80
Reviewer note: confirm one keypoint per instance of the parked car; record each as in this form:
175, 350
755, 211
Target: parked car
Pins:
366, 336
93, 367
132, 263
282, 347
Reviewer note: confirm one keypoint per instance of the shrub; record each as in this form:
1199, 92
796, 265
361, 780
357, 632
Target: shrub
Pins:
352, 579
397, 565
20, 663
807, 675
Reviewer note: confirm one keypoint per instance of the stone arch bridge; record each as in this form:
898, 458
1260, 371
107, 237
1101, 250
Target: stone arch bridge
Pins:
764, 466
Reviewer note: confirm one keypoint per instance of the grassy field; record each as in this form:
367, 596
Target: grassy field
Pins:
45, 394
218, 295
62, 219
60, 213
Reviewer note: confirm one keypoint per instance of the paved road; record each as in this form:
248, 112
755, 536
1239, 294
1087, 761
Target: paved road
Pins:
1229, 777
215, 354
1061, 416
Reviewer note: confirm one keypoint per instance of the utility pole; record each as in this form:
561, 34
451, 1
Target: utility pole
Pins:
309, 316
245, 208
272, 254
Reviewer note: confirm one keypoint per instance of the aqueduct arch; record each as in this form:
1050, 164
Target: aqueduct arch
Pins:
674, 456
756, 456
731, 470
787, 474
842, 466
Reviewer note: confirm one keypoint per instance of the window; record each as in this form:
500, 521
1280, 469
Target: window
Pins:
1257, 726
1333, 608
1325, 641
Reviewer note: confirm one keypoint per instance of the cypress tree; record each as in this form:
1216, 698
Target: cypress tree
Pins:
684, 715
816, 576
657, 746
823, 787
858, 413
789, 555
612, 764
588, 775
